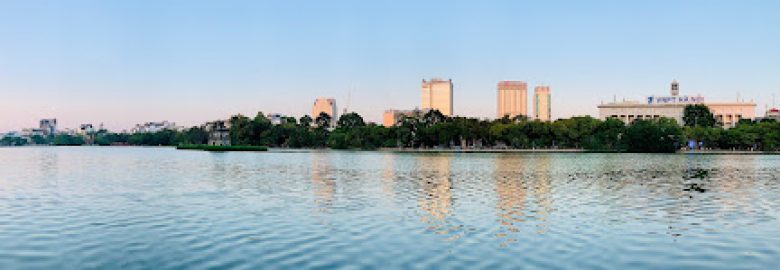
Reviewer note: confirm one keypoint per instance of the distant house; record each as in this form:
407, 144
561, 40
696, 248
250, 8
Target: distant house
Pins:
219, 133
276, 118
153, 127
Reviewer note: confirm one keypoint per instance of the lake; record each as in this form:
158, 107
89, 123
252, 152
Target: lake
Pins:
160, 208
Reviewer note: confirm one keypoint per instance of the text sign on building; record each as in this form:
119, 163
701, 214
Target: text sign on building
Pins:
674, 99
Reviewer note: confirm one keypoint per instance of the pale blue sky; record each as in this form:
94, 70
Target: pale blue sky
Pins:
125, 62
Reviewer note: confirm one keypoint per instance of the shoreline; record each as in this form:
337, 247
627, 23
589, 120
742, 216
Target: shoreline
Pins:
432, 150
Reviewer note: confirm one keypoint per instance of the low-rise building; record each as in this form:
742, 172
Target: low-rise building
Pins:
153, 127
276, 118
728, 114
772, 114
29, 132
85, 129
219, 133
393, 117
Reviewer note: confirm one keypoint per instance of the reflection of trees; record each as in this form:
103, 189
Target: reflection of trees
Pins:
511, 194
436, 197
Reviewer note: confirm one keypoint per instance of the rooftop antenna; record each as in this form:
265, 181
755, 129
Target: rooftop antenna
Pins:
349, 96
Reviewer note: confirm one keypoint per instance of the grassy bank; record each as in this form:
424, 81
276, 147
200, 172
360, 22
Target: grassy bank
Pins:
221, 148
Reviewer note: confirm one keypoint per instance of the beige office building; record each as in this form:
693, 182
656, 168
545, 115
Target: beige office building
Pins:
437, 95
727, 114
542, 103
327, 106
512, 99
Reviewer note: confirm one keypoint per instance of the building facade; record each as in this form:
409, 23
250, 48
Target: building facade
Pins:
512, 99
542, 103
437, 95
728, 114
327, 106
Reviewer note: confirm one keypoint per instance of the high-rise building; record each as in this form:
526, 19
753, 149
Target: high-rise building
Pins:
437, 95
49, 126
327, 106
512, 99
542, 106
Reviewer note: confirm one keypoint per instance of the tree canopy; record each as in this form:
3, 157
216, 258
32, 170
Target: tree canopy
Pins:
698, 115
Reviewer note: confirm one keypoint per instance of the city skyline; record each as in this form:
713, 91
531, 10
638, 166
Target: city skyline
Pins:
127, 63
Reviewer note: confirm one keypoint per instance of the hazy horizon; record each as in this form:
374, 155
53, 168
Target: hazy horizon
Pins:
124, 63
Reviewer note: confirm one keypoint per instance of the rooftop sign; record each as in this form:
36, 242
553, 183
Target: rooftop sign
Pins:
675, 100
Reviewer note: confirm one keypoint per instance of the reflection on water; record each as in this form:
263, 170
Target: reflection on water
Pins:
323, 182
435, 199
140, 208
511, 197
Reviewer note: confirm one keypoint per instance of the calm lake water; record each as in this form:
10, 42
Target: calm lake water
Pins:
159, 208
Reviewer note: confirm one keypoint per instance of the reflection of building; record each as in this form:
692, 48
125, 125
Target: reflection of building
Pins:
727, 114
392, 117
327, 106
219, 133
437, 95
512, 99
542, 103
323, 182
436, 200
48, 126
511, 195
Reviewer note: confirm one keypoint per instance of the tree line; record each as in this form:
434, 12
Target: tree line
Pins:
432, 129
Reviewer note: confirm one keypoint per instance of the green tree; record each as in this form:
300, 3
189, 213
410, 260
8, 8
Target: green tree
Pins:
305, 121
698, 115
64, 139
653, 136
323, 120
351, 120
608, 135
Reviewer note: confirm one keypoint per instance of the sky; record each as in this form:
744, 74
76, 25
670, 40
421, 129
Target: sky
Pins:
126, 62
